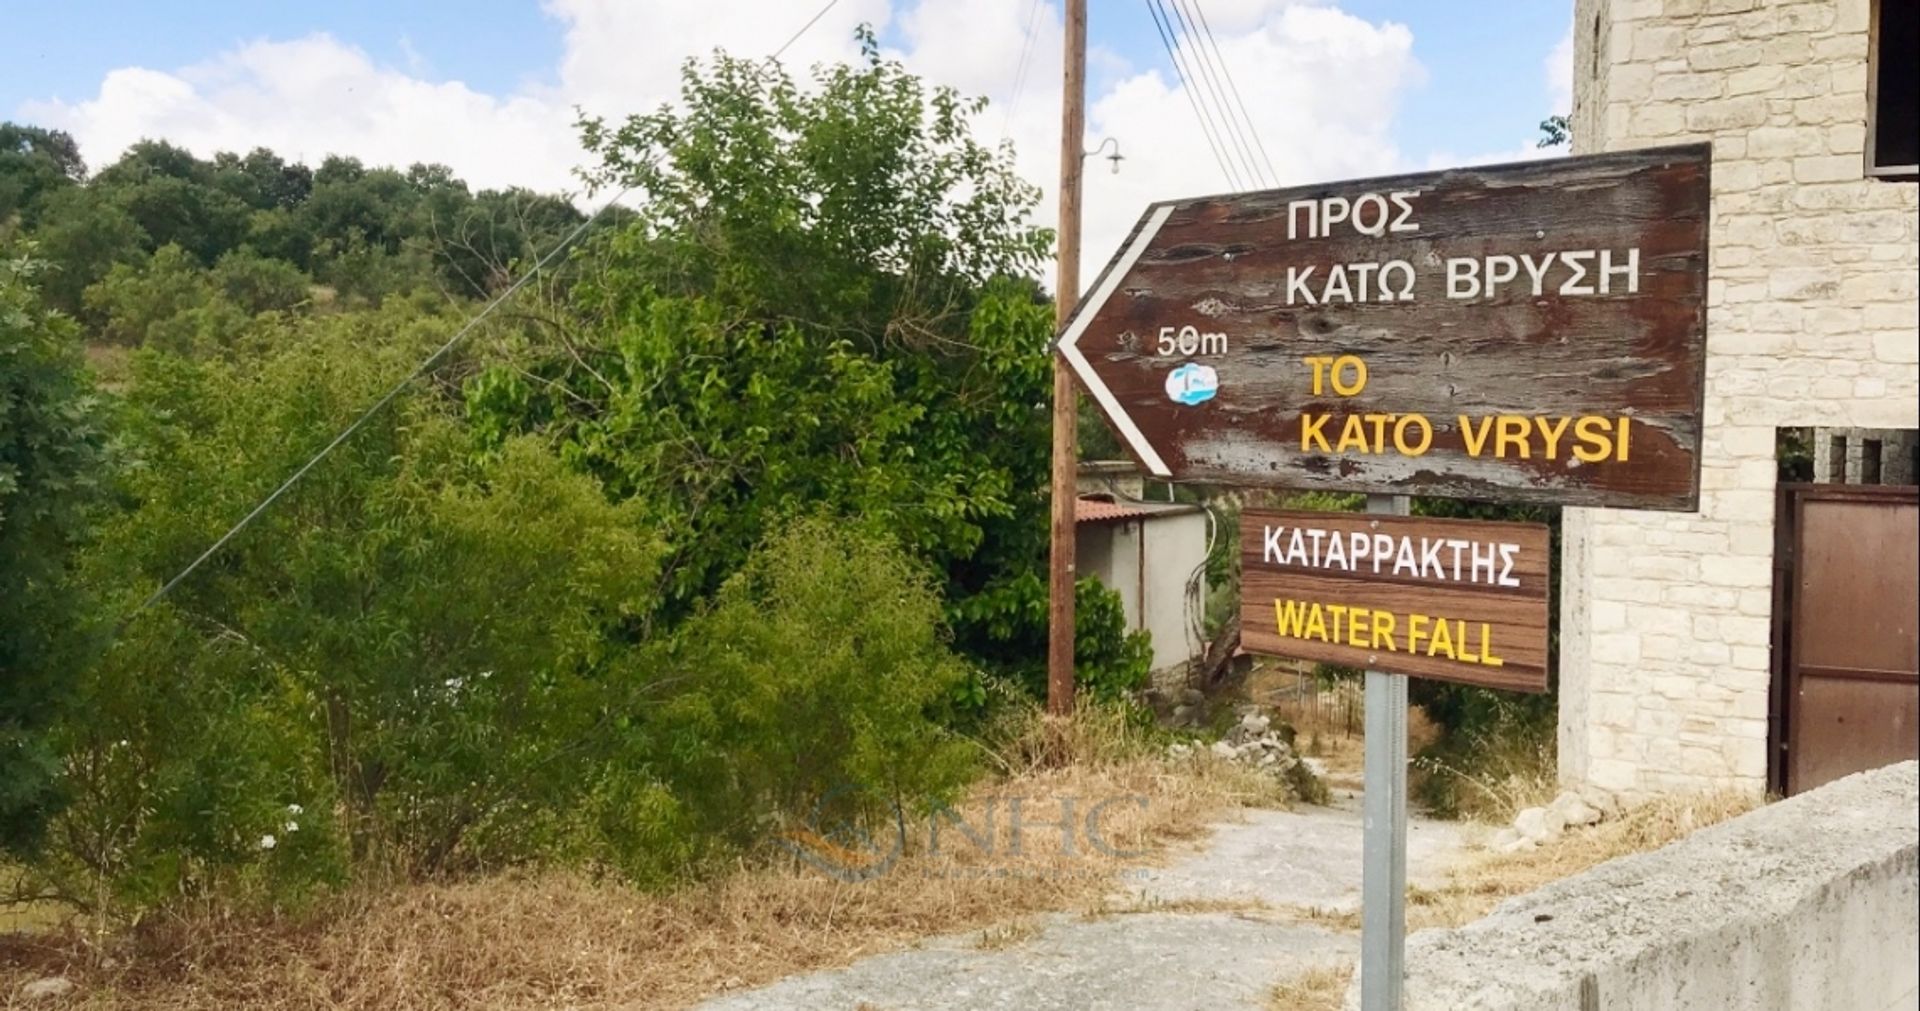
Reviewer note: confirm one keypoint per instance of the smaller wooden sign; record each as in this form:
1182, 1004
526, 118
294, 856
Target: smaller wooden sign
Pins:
1458, 600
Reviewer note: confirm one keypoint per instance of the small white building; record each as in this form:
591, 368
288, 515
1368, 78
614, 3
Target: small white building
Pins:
1154, 554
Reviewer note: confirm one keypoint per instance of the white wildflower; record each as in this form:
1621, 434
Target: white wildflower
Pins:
268, 842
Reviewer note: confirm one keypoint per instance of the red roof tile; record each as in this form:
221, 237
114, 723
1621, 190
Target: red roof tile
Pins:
1094, 510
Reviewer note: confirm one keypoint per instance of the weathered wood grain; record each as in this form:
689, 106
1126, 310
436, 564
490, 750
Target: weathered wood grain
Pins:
1221, 263
1515, 617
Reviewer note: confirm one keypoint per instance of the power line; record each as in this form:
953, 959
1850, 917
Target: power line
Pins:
1198, 54
1272, 173
803, 30
1155, 8
1020, 70
422, 369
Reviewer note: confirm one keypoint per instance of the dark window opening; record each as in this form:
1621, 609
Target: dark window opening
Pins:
1893, 83
1870, 461
1837, 460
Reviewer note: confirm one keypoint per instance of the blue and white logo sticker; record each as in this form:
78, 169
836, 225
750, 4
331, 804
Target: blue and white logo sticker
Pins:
1192, 384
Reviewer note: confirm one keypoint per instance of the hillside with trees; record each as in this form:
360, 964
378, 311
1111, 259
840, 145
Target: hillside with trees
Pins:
738, 505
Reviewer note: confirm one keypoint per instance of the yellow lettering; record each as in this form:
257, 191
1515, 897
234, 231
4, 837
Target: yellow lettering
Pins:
1382, 632
1621, 438
1400, 434
1595, 445
1552, 434
1354, 434
1512, 432
1416, 630
1460, 636
1486, 648
1316, 624
1359, 370
1476, 441
1357, 625
1442, 643
1319, 364
1379, 431
1314, 427
1287, 614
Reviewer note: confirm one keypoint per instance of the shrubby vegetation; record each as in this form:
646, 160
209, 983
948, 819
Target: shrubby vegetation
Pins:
740, 514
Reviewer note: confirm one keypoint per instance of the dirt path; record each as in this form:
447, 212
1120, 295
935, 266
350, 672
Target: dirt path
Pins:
1268, 896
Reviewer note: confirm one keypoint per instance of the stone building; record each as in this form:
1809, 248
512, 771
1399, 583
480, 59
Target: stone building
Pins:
1666, 655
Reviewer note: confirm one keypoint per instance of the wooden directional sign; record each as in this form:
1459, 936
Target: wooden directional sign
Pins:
1460, 600
1522, 333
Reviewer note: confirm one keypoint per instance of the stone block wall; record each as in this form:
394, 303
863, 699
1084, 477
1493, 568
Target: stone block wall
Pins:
1810, 904
1814, 271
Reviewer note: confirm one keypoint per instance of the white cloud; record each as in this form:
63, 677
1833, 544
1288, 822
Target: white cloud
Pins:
1320, 86
1559, 75
317, 96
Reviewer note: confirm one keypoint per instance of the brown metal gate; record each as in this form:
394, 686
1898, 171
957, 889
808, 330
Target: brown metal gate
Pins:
1846, 638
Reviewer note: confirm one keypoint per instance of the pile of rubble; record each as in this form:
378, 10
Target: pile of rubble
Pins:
1255, 742
1538, 826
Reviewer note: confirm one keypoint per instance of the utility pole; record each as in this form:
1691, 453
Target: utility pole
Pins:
1066, 292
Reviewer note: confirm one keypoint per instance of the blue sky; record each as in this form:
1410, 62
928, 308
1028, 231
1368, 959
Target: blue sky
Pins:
1367, 86
1484, 87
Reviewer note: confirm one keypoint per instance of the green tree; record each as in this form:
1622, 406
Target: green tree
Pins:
51, 439
81, 238
35, 162
258, 283
819, 305
814, 685
138, 302
412, 646
1555, 131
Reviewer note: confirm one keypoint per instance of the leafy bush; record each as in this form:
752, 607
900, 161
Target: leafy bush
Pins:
412, 646
816, 684
52, 436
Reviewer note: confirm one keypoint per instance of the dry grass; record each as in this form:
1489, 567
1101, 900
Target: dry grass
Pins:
1510, 773
1478, 884
1012, 933
1321, 988
554, 939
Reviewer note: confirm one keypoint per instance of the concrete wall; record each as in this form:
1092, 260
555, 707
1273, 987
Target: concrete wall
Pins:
1810, 904
1812, 321
1147, 561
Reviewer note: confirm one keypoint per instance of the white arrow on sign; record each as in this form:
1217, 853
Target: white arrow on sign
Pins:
1069, 343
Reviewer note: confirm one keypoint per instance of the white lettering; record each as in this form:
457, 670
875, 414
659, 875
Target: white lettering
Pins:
1405, 294
1297, 289
1576, 259
1537, 273
1293, 216
1364, 272
1463, 277
1379, 226
1328, 216
1630, 269
1401, 223
1337, 285
1501, 268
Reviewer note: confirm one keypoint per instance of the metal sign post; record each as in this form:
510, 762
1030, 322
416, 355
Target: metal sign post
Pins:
1383, 880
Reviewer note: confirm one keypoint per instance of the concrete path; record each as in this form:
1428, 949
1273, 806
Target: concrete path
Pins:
1171, 947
